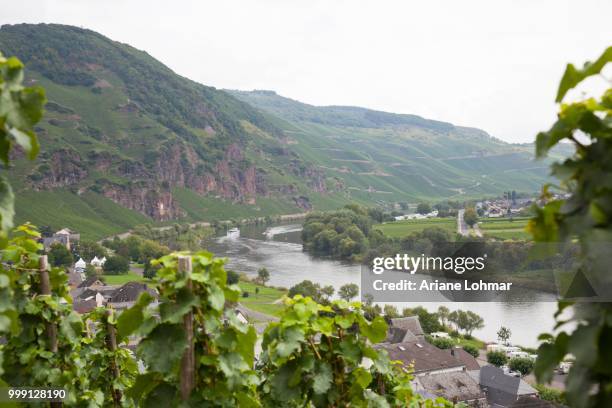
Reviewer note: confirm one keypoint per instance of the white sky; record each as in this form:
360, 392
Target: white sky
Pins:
492, 64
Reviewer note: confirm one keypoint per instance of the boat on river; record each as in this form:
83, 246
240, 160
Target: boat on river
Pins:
233, 233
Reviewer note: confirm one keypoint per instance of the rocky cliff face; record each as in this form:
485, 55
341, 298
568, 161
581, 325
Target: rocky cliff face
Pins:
63, 168
176, 164
147, 199
231, 178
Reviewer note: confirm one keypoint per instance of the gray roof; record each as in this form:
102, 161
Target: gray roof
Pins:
90, 281
130, 292
424, 356
84, 306
397, 335
491, 376
454, 386
408, 323
501, 389
466, 358
85, 293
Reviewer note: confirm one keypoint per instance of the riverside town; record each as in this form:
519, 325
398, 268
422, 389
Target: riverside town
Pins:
306, 204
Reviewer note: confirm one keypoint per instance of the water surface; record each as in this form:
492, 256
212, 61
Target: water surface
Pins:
279, 249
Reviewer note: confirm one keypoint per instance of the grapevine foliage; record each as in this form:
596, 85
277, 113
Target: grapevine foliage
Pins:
28, 358
585, 217
110, 371
224, 346
323, 356
20, 109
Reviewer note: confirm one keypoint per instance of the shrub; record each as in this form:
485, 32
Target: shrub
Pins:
550, 394
306, 288
59, 255
232, 277
116, 265
263, 275
473, 350
497, 358
523, 365
442, 343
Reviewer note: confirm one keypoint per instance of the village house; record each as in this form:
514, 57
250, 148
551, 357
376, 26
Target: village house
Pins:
93, 292
98, 263
80, 265
126, 295
438, 372
89, 294
454, 386
65, 236
453, 373
502, 390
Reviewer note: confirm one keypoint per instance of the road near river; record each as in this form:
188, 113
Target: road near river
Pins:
279, 249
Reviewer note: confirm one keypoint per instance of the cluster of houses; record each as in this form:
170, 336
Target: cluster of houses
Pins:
502, 207
93, 292
454, 373
510, 205
417, 216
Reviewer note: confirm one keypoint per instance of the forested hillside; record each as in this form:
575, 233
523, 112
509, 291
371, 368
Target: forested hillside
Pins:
127, 141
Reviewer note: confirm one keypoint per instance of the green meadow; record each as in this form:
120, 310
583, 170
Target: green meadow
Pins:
398, 229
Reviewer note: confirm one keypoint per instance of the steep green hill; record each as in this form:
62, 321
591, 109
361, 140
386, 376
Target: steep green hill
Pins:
386, 157
121, 125
127, 141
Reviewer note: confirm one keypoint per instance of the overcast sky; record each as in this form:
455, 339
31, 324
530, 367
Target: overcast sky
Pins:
492, 64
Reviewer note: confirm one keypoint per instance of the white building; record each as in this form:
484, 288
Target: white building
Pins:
80, 265
96, 262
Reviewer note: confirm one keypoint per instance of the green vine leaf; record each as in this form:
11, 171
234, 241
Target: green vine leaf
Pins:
163, 348
573, 76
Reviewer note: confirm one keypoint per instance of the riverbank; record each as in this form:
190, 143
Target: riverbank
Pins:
229, 222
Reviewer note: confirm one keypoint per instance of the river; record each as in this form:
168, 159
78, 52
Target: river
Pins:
279, 249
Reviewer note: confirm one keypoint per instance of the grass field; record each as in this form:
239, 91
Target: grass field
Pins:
264, 300
504, 228
398, 229
123, 279
462, 341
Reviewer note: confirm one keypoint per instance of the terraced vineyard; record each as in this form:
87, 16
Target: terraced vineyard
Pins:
504, 228
384, 157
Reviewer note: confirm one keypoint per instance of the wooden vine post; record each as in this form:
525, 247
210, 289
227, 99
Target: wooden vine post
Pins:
188, 361
111, 343
51, 328
45, 289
